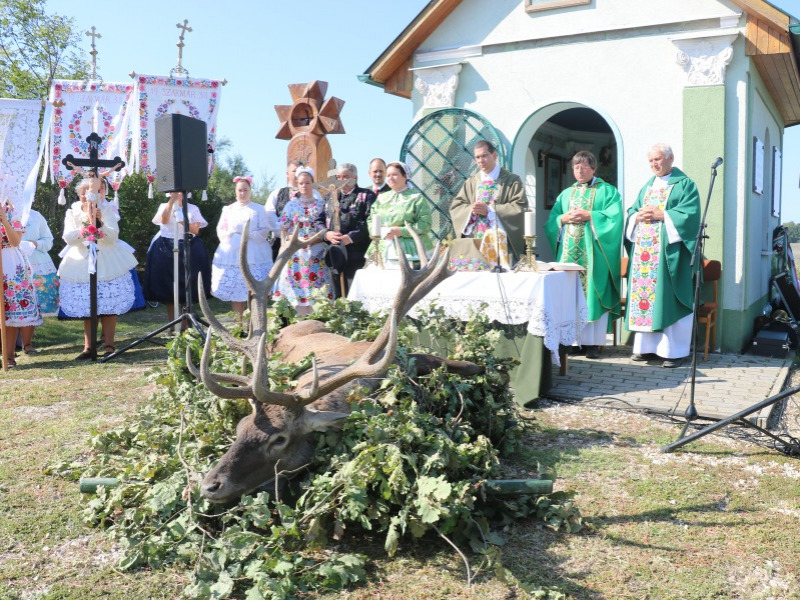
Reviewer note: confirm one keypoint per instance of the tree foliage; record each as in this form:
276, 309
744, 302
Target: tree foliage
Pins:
35, 48
793, 229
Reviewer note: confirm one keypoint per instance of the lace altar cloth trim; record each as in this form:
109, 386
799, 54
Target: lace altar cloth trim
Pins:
552, 304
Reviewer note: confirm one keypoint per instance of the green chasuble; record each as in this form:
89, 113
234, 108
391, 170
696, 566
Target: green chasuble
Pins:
595, 245
510, 203
396, 209
660, 290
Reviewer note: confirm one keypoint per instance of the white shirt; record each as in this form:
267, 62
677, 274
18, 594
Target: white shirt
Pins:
168, 230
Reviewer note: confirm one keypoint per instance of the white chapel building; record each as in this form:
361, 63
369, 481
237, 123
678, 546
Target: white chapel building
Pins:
546, 78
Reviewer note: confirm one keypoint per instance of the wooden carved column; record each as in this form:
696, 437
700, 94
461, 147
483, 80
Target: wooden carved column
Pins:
306, 123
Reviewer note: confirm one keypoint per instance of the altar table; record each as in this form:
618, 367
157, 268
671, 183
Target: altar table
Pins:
551, 305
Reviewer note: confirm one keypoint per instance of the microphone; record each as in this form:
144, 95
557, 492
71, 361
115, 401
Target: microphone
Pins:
717, 162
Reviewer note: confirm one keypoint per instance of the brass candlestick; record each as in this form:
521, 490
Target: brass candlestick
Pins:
377, 259
528, 262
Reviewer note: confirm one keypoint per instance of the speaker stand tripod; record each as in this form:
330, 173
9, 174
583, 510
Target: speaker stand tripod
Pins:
188, 313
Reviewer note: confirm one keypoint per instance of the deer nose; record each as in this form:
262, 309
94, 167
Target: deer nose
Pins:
210, 488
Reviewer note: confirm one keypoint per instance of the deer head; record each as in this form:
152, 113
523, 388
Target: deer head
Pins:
274, 439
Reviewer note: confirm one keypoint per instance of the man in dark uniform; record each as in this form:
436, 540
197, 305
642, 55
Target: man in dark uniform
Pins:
348, 246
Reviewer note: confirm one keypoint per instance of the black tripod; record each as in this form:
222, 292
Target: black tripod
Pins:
188, 314
790, 445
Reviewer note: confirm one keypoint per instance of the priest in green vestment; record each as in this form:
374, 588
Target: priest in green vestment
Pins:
660, 238
585, 227
491, 189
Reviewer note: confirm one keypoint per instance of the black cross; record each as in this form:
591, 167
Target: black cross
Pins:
93, 162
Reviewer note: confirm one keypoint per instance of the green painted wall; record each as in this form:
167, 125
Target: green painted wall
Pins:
738, 332
704, 140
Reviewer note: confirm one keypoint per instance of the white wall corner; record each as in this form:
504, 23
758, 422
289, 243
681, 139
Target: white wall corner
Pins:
437, 84
704, 59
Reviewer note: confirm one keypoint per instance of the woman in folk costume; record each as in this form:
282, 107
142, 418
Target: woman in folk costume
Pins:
36, 243
585, 227
19, 293
306, 271
92, 236
227, 282
398, 207
660, 238
159, 272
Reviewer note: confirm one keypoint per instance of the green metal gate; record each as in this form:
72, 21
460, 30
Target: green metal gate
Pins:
438, 150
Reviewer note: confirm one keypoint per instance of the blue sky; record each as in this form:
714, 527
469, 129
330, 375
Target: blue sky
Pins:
262, 46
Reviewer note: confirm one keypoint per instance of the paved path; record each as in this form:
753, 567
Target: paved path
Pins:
724, 385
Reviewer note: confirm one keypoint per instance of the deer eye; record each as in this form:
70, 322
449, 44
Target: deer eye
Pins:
279, 441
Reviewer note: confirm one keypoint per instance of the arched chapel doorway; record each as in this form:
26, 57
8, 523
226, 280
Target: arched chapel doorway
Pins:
544, 146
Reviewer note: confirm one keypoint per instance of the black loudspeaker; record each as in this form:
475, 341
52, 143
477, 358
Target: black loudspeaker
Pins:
181, 153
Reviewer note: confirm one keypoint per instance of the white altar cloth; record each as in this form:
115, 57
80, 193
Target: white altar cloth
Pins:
552, 304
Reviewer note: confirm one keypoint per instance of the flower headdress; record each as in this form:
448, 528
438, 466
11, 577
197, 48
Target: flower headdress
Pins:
246, 178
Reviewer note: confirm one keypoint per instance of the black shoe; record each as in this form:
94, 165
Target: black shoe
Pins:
644, 357
672, 363
85, 355
576, 350
592, 351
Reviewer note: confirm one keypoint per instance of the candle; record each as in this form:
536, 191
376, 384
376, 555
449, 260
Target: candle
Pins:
376, 225
530, 224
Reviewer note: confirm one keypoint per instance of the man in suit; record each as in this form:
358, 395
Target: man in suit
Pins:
377, 172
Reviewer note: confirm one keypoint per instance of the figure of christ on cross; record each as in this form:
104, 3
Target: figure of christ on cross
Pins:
93, 196
93, 174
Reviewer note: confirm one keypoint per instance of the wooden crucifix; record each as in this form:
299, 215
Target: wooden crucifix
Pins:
93, 164
333, 187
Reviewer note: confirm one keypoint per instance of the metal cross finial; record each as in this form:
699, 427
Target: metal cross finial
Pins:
94, 34
179, 70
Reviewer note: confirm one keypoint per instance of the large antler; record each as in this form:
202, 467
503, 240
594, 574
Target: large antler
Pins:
414, 285
254, 347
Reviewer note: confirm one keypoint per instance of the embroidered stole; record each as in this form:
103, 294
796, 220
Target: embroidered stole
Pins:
644, 265
574, 247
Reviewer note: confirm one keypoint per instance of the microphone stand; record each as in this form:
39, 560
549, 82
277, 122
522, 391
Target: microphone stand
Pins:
697, 270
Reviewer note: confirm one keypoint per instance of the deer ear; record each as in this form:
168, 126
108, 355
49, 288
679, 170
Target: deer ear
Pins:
322, 420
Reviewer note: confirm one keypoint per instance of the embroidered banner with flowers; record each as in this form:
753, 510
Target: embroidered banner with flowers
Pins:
156, 96
79, 109
19, 134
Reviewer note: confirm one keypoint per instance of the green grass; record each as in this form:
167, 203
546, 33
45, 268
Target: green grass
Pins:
716, 520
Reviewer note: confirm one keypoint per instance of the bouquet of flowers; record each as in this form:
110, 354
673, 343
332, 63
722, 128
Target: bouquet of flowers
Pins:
91, 233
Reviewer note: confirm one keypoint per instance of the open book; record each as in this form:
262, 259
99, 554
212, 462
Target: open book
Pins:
559, 266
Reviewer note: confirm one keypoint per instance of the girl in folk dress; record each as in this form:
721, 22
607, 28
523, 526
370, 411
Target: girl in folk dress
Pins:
36, 243
118, 288
159, 272
227, 282
19, 293
306, 270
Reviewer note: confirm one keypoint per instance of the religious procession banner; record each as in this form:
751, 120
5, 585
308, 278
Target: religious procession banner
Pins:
19, 135
156, 96
79, 109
